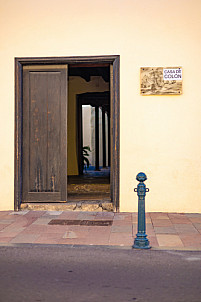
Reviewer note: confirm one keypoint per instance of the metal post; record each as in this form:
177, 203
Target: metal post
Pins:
141, 241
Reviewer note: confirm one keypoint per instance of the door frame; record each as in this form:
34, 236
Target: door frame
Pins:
114, 61
87, 98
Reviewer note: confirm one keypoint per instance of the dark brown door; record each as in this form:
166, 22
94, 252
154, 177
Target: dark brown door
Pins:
44, 154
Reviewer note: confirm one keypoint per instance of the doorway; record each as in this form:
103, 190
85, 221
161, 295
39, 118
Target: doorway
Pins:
92, 180
41, 141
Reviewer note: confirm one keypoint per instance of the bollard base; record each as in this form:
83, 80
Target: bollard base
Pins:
141, 242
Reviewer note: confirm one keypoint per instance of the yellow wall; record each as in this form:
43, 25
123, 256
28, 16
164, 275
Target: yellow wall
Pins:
159, 135
78, 85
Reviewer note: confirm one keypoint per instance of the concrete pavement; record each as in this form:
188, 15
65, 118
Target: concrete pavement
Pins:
176, 231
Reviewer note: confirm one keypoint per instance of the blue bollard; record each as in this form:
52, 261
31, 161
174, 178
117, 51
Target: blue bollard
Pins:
141, 241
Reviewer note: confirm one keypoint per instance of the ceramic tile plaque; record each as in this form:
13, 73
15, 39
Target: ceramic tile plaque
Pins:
160, 80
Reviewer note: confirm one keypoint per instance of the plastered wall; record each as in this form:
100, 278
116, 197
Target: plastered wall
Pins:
159, 135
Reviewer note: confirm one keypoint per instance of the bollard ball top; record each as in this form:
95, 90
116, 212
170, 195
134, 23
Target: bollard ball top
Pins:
141, 177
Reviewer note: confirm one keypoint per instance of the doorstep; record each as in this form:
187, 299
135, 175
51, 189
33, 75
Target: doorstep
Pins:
84, 205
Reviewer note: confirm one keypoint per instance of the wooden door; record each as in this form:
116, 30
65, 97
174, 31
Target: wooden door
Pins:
44, 148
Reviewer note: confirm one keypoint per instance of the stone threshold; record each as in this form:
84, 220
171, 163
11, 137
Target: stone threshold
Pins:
84, 205
89, 188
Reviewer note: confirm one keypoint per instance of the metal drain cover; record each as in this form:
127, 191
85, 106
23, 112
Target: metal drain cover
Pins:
81, 222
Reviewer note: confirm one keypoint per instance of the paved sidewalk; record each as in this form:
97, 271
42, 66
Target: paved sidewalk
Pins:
164, 230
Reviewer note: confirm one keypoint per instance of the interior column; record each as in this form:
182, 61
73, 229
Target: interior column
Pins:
103, 137
97, 138
108, 115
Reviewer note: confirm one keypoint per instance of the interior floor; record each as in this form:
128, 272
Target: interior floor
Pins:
91, 186
91, 176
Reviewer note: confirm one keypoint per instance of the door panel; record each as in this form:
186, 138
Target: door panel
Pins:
44, 133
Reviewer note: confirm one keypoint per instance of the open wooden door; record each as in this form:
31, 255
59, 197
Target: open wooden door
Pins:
41, 127
44, 143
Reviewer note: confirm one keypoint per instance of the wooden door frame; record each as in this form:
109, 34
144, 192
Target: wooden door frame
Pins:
114, 62
87, 98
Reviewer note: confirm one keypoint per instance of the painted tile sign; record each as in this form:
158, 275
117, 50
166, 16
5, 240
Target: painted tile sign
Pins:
170, 74
160, 80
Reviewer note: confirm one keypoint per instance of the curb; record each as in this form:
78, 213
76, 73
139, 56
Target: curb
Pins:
165, 248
